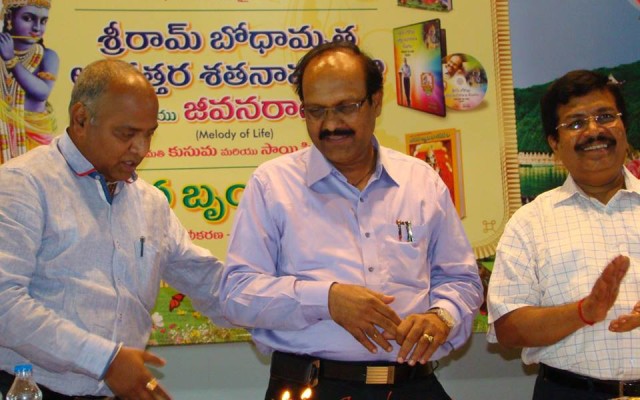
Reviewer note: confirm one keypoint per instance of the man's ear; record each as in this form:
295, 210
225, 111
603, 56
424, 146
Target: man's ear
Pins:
79, 115
553, 143
377, 102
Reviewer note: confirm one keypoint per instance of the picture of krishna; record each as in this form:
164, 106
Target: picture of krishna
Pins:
29, 71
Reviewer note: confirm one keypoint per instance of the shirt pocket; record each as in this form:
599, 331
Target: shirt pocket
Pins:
147, 273
407, 261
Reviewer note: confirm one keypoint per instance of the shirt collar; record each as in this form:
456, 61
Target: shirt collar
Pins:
76, 161
320, 167
570, 189
631, 182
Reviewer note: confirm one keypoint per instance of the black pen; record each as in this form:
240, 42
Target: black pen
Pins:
141, 246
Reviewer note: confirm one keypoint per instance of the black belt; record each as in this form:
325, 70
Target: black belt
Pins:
306, 370
581, 382
6, 379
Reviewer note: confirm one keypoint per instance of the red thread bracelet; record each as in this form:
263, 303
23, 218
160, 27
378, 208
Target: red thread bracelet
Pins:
582, 318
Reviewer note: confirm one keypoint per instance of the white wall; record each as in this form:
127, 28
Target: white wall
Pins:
236, 371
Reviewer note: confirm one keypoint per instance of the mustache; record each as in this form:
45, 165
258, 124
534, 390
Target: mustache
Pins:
338, 132
600, 138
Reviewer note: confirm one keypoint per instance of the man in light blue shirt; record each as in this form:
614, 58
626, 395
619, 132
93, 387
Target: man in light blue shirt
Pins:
348, 259
84, 244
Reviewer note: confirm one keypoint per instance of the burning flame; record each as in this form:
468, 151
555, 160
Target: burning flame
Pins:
306, 394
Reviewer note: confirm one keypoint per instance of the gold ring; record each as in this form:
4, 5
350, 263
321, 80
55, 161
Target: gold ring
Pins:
428, 337
152, 384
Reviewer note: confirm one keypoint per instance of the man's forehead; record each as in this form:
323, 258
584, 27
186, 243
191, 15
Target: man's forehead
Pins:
594, 100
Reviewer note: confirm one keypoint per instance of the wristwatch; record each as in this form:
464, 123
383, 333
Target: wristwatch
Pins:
444, 316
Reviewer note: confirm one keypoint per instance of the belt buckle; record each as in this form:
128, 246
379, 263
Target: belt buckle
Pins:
628, 390
380, 375
625, 388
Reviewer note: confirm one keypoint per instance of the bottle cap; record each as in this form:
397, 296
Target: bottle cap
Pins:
23, 368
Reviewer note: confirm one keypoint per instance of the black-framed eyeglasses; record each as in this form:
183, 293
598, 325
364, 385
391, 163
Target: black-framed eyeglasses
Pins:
341, 110
605, 119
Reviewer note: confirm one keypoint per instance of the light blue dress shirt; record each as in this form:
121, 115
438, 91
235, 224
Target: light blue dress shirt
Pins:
300, 227
74, 278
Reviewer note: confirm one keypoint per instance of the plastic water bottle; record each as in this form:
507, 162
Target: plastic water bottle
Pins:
24, 387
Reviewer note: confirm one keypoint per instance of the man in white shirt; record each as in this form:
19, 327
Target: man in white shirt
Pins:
562, 287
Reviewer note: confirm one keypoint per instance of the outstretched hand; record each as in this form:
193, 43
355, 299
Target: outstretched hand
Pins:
627, 322
129, 378
360, 311
605, 291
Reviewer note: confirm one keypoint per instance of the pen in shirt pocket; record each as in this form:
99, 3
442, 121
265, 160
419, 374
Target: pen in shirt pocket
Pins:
407, 228
142, 239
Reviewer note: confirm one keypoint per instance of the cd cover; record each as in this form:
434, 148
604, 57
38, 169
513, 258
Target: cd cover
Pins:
418, 64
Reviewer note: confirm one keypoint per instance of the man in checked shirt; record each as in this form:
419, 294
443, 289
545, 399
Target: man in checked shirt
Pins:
565, 282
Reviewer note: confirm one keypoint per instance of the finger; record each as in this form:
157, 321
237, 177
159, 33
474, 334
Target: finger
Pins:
389, 335
150, 358
625, 323
380, 340
403, 331
389, 325
161, 393
413, 349
423, 349
409, 339
138, 394
386, 299
364, 340
385, 317
616, 270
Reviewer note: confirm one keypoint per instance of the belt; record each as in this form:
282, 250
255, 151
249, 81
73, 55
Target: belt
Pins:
581, 382
307, 370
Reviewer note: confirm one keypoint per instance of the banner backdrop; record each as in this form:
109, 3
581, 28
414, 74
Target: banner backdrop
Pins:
222, 70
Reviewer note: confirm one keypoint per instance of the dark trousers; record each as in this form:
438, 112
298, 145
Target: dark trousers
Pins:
406, 82
6, 380
547, 390
426, 388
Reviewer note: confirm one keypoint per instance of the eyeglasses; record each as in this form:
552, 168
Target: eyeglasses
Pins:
342, 110
605, 119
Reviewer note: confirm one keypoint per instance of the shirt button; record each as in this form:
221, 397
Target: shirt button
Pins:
371, 269
361, 200
367, 234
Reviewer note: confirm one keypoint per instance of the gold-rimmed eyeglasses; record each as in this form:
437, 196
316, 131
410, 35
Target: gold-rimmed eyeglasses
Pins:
605, 119
345, 110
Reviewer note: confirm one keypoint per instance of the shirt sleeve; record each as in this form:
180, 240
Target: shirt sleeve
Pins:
512, 284
193, 270
455, 283
254, 294
28, 326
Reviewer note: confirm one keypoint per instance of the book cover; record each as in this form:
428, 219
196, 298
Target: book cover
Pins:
442, 151
418, 63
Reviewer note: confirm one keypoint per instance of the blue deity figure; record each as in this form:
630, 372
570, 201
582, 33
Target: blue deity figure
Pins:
29, 71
